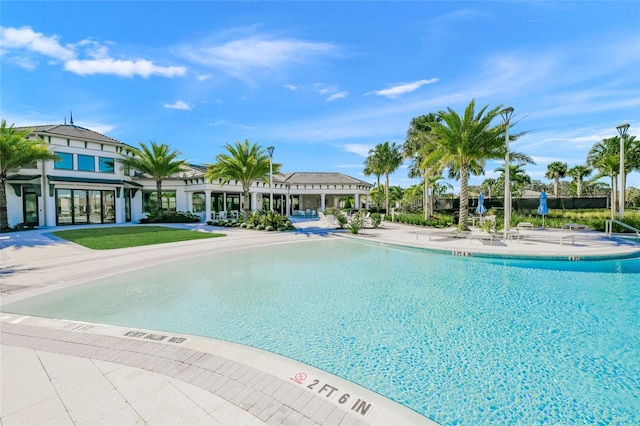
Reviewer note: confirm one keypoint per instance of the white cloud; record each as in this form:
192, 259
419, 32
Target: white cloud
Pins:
179, 105
247, 58
292, 87
204, 77
21, 41
404, 88
360, 149
122, 68
339, 95
27, 39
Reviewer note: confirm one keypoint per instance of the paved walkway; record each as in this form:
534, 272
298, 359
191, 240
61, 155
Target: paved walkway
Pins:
63, 372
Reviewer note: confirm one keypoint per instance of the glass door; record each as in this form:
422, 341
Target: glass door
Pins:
80, 208
95, 207
30, 200
109, 206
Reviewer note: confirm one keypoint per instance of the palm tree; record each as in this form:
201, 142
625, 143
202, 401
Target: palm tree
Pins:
418, 145
518, 178
16, 151
556, 170
371, 167
489, 184
244, 163
158, 161
387, 158
578, 173
605, 157
466, 142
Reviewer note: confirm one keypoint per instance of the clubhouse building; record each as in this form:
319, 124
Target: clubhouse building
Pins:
88, 185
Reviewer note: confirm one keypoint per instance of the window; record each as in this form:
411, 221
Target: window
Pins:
150, 201
81, 206
86, 163
106, 164
198, 202
65, 162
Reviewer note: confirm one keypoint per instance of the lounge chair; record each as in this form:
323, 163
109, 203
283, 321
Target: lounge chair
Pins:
572, 226
448, 233
331, 221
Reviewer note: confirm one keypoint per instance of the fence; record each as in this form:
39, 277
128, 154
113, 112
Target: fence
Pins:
562, 203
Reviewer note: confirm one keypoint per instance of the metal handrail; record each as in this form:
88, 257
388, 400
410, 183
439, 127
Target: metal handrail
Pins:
608, 229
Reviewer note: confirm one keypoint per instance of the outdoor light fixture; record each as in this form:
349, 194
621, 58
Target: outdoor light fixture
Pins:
622, 130
270, 149
506, 116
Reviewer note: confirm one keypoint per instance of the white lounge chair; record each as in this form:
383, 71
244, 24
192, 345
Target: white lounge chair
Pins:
331, 221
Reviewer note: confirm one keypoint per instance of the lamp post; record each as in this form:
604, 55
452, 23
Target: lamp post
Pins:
622, 130
506, 116
270, 149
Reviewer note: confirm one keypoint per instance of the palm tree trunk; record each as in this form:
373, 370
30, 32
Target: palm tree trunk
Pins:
159, 190
4, 217
246, 208
378, 193
426, 194
386, 193
579, 187
555, 186
464, 196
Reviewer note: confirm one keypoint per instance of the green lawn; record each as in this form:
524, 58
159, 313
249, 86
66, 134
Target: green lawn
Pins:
130, 236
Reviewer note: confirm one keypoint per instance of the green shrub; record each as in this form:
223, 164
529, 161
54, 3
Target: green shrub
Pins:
376, 219
171, 217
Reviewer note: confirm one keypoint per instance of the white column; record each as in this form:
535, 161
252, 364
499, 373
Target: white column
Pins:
323, 206
356, 201
224, 202
254, 201
368, 202
207, 205
189, 196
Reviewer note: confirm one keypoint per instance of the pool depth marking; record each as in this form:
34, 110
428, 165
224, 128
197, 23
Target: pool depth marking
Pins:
360, 406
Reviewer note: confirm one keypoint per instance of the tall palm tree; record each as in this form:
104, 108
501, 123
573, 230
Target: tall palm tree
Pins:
556, 170
17, 151
466, 141
518, 178
605, 157
579, 173
244, 163
387, 157
418, 145
371, 167
158, 161
489, 184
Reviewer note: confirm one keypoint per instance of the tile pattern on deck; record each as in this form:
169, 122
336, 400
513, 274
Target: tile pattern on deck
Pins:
232, 392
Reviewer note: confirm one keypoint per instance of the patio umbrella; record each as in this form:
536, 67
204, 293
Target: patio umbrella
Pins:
481, 208
543, 209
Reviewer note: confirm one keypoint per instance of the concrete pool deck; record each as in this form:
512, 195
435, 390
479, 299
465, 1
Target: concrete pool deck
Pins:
68, 372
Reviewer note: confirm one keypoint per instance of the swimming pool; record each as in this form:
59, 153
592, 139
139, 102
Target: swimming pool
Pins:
460, 340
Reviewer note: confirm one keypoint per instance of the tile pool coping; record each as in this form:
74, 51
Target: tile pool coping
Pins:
269, 387
470, 252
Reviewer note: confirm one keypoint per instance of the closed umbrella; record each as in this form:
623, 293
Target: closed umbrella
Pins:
481, 208
543, 209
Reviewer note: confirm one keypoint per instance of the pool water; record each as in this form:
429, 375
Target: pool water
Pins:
459, 340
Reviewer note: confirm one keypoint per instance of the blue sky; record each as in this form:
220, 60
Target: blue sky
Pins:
323, 82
